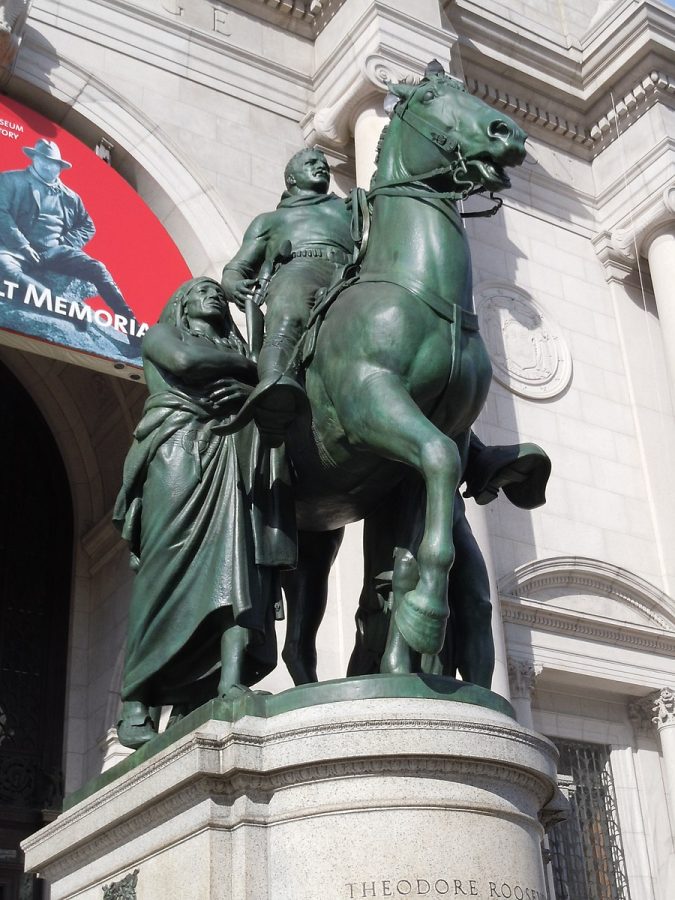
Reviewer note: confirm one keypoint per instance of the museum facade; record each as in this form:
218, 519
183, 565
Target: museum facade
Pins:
197, 105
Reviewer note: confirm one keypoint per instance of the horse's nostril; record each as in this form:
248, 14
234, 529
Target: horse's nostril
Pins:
499, 129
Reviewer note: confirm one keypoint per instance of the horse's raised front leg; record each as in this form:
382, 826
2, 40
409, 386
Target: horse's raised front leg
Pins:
306, 590
385, 420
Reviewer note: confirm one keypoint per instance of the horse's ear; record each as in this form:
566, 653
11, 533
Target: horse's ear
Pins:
402, 91
434, 68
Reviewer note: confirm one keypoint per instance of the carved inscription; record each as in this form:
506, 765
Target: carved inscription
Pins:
433, 888
221, 22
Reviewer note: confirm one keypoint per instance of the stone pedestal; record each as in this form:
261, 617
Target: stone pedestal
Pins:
368, 797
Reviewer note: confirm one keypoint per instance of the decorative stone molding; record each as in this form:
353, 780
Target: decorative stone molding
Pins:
522, 677
532, 114
664, 708
13, 15
318, 10
594, 577
529, 354
641, 715
533, 614
630, 239
649, 90
383, 45
125, 889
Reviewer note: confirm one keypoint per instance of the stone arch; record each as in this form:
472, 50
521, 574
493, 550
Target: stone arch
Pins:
41, 378
186, 204
574, 582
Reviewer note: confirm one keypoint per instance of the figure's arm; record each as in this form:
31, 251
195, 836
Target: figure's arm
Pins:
239, 275
11, 236
192, 360
82, 229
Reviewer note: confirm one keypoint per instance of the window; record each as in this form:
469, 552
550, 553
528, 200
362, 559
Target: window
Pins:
587, 858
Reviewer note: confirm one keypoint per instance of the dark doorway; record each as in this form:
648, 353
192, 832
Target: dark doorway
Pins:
36, 545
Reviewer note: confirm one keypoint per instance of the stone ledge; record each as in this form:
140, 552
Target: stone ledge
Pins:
294, 785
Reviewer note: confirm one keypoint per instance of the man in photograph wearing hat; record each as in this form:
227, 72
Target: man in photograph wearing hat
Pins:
44, 225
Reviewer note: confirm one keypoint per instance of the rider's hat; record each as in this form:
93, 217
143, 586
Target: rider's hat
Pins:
48, 150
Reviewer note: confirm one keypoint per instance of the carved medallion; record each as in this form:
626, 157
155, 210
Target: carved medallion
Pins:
528, 352
122, 890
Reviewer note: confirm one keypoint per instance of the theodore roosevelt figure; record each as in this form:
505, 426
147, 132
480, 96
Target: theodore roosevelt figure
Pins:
317, 224
44, 226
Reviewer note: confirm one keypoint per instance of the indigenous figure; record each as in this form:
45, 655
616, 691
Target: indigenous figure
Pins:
317, 224
207, 517
44, 226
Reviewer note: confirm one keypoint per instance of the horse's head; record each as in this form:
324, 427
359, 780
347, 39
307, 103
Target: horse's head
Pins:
444, 130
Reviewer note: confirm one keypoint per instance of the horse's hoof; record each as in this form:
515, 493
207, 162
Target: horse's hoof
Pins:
234, 692
423, 631
134, 735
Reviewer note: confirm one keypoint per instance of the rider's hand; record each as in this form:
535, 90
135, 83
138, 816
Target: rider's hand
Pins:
229, 392
34, 255
237, 289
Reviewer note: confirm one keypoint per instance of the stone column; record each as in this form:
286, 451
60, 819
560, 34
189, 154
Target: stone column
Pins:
522, 678
368, 125
650, 233
664, 719
660, 250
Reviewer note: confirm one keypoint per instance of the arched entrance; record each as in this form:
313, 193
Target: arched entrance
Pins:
36, 544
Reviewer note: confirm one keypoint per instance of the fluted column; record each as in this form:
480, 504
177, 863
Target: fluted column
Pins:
522, 679
660, 250
664, 719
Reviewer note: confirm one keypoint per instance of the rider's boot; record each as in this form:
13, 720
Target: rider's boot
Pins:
278, 397
520, 470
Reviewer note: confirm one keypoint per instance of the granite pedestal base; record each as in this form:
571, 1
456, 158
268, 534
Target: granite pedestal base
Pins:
391, 797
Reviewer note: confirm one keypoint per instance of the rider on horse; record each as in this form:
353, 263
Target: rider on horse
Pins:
317, 224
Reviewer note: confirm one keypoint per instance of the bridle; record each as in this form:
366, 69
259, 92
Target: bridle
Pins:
455, 168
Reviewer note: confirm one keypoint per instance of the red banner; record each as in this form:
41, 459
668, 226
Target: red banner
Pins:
85, 266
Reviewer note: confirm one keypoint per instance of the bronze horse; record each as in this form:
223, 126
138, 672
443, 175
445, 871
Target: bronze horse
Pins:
400, 371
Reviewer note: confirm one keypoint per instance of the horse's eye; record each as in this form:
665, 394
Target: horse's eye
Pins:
428, 97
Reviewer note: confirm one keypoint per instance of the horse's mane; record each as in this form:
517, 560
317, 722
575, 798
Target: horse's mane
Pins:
380, 142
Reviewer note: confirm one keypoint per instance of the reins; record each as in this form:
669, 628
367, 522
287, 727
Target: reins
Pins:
456, 168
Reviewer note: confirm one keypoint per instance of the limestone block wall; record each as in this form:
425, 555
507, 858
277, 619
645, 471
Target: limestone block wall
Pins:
204, 103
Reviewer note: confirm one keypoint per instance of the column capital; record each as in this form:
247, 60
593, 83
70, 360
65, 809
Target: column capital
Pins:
522, 677
641, 715
664, 708
385, 45
619, 246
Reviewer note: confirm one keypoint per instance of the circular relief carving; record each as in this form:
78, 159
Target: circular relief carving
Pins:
528, 352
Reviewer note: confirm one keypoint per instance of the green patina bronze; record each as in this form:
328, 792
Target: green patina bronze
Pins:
204, 516
400, 372
378, 426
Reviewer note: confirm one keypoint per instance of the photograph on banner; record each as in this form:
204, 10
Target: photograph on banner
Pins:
84, 263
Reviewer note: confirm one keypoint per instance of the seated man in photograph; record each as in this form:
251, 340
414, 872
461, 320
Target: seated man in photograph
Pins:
44, 226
